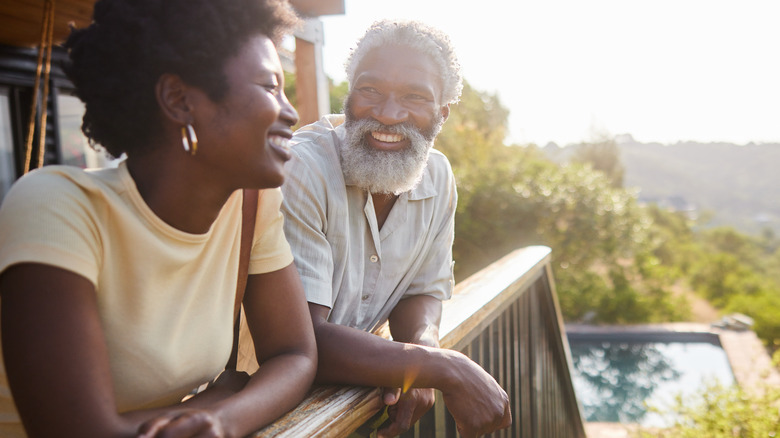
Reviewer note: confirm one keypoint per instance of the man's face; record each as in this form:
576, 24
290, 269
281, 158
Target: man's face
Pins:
393, 114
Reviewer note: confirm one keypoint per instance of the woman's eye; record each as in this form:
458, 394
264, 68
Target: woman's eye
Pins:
272, 88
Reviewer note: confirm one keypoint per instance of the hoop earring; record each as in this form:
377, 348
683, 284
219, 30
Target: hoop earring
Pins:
189, 140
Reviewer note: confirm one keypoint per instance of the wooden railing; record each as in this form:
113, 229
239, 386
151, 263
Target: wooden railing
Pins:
506, 318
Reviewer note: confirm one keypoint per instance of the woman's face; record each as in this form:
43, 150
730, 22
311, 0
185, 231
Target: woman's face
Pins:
245, 136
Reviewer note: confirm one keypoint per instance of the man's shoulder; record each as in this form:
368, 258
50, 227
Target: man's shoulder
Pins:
322, 128
317, 142
438, 165
439, 158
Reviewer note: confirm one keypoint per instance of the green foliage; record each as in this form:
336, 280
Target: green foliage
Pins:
338, 92
764, 308
604, 155
724, 412
290, 89
513, 196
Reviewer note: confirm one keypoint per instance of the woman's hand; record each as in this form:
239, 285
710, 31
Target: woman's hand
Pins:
183, 424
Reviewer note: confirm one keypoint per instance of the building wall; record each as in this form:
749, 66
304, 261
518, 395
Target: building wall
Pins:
64, 142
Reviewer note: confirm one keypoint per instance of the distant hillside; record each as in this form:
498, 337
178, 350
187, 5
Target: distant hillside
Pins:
738, 185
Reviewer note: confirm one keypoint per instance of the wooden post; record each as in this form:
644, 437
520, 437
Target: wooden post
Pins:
311, 84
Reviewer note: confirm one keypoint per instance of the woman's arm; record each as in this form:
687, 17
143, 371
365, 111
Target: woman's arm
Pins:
55, 354
278, 318
57, 362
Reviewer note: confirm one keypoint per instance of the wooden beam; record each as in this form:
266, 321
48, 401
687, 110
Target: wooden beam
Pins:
20, 20
315, 8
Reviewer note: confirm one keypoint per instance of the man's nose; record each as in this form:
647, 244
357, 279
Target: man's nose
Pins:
390, 112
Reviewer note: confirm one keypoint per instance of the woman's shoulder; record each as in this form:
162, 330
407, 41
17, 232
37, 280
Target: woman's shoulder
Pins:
62, 189
58, 180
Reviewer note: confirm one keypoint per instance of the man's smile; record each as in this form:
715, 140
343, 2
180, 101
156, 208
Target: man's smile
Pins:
387, 138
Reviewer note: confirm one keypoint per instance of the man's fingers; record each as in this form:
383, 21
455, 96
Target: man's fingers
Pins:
391, 395
466, 433
404, 413
507, 417
395, 428
389, 431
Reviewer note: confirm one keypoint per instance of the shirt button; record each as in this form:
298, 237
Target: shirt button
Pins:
364, 297
373, 259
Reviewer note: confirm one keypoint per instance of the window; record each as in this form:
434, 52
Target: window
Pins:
74, 147
7, 173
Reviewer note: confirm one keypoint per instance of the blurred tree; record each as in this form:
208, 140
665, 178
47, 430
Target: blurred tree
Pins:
722, 412
338, 92
512, 196
603, 154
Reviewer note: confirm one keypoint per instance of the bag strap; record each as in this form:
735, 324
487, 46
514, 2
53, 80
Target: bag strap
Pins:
248, 216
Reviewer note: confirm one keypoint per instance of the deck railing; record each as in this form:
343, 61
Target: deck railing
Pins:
506, 318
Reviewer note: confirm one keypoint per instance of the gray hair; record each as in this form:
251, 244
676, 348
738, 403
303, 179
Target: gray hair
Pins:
418, 36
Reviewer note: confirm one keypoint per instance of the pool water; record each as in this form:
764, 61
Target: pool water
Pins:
617, 377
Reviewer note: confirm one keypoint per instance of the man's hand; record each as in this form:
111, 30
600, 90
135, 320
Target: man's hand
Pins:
476, 401
405, 409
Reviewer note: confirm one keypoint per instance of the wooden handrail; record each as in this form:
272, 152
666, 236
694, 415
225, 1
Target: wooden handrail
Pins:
506, 318
477, 300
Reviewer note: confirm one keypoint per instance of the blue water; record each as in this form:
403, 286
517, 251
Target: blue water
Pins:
615, 381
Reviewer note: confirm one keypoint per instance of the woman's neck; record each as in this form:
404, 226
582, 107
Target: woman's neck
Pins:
176, 190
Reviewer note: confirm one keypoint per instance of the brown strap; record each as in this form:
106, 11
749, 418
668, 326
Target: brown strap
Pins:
249, 213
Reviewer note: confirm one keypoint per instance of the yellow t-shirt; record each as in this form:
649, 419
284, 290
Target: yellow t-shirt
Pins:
165, 297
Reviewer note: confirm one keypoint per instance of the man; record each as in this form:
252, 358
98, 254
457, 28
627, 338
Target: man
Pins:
369, 212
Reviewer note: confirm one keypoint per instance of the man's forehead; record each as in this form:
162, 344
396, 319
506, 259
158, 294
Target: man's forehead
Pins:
399, 63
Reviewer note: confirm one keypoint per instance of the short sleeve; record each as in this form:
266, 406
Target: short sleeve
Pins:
48, 218
435, 277
305, 210
270, 250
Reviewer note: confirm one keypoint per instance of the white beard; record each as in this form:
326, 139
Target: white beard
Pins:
385, 171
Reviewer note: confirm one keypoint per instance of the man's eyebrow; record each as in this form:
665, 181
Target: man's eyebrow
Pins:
416, 87
421, 89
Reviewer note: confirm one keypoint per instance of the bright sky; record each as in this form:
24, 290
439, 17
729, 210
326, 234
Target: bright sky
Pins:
661, 70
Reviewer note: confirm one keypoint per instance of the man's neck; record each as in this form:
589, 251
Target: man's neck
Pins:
383, 203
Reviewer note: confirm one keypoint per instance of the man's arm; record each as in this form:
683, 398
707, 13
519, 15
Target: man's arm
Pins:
416, 320
354, 357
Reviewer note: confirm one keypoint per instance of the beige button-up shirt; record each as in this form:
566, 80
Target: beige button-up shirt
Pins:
345, 261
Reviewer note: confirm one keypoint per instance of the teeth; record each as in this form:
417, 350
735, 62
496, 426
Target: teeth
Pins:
387, 138
280, 142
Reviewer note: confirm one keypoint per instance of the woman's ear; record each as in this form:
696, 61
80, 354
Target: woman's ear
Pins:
173, 98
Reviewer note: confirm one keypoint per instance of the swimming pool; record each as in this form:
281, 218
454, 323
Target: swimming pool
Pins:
617, 375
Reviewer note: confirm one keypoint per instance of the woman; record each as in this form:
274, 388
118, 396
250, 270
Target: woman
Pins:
118, 285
